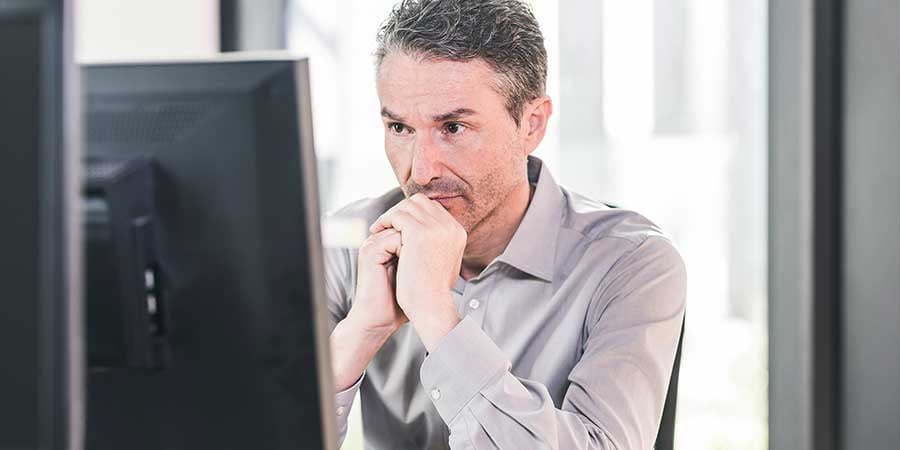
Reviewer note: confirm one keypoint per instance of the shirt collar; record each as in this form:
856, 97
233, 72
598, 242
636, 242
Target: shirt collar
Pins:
532, 248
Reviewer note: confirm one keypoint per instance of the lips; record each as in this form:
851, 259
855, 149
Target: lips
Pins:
443, 197
445, 200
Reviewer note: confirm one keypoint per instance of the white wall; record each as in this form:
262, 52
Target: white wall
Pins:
140, 29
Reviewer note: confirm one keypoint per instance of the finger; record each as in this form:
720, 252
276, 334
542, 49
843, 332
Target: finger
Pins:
399, 220
384, 245
434, 209
426, 210
390, 242
378, 226
439, 215
404, 206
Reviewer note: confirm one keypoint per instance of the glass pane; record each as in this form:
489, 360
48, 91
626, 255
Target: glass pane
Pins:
665, 101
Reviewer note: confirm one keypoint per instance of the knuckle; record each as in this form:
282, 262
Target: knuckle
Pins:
370, 244
365, 251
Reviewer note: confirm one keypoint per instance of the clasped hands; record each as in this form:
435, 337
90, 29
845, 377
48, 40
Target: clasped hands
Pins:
406, 270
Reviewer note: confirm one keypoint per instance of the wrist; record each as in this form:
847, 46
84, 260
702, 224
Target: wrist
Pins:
435, 322
360, 325
353, 346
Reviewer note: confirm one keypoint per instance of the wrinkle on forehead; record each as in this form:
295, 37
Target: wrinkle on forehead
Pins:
433, 87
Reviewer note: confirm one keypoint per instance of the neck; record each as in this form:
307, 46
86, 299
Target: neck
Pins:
490, 237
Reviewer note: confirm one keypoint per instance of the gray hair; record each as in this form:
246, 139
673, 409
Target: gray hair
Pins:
502, 33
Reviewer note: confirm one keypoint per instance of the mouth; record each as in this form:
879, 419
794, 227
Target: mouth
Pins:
445, 200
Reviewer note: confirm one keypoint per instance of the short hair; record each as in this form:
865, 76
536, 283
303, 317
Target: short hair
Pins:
502, 33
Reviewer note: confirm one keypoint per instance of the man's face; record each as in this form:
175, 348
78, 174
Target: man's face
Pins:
448, 135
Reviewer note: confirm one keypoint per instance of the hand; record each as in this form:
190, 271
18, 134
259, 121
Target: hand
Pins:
432, 246
375, 307
374, 316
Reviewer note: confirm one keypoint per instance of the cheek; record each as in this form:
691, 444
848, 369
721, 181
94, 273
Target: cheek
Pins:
467, 156
495, 156
399, 157
500, 169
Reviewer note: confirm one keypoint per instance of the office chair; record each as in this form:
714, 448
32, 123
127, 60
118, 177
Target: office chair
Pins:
665, 438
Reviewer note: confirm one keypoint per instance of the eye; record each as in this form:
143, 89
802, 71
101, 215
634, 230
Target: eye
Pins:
454, 128
398, 128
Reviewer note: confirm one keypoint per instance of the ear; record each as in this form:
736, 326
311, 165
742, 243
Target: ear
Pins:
535, 117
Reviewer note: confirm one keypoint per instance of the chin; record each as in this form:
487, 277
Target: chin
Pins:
459, 216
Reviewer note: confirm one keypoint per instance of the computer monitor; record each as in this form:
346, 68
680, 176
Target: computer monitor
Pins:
205, 289
40, 360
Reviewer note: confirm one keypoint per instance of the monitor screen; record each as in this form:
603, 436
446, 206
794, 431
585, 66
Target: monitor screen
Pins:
208, 165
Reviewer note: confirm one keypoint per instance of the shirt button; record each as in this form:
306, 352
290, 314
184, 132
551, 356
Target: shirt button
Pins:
436, 394
474, 303
341, 410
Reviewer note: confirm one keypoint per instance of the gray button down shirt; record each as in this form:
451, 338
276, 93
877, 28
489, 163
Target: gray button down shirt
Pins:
567, 339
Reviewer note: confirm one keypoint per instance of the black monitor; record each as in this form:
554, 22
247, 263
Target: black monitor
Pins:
40, 360
205, 299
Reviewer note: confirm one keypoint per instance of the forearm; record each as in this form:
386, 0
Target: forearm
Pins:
518, 413
611, 403
352, 348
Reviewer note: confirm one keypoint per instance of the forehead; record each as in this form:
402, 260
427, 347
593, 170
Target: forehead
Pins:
404, 81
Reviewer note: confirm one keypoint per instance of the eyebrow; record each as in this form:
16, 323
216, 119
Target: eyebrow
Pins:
456, 114
387, 113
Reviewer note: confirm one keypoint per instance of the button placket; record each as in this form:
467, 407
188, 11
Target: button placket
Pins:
473, 301
475, 309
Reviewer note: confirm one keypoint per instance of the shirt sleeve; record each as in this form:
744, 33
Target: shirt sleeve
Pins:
338, 271
338, 288
616, 390
343, 401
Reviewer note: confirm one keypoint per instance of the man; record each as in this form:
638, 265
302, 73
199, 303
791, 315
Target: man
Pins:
489, 307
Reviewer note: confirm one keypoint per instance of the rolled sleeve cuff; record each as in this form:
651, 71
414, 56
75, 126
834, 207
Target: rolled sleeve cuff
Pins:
344, 400
463, 363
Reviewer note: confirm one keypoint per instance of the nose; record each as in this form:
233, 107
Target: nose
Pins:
427, 161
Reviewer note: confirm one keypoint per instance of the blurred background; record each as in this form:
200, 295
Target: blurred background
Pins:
661, 106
